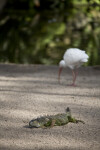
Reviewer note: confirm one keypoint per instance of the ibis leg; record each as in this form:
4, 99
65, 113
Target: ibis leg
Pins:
74, 73
60, 70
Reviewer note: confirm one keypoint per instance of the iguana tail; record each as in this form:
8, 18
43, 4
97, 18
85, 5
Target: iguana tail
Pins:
80, 121
68, 110
70, 118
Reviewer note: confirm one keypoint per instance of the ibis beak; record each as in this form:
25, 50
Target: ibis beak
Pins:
60, 70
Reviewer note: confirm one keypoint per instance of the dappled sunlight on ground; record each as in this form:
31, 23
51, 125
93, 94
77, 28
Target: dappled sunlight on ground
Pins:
24, 96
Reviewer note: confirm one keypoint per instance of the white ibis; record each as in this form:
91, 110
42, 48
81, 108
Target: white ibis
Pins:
73, 58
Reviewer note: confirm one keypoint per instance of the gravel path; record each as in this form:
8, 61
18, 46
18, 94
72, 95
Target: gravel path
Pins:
29, 91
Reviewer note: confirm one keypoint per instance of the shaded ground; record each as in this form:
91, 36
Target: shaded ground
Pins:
28, 91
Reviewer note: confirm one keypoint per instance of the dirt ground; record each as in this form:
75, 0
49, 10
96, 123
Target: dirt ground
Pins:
29, 91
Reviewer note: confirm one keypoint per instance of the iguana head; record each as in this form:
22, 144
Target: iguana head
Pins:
38, 123
34, 123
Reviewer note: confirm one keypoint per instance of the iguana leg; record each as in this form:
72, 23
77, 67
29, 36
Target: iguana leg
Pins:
43, 127
52, 123
73, 120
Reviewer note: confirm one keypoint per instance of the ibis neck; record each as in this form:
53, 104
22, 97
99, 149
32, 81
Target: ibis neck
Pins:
62, 64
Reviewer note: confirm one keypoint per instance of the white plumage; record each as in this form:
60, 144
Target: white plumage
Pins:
73, 58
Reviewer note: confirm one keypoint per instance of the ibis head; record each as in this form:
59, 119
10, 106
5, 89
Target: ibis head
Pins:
61, 66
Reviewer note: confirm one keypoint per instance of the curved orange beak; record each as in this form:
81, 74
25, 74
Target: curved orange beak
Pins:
60, 70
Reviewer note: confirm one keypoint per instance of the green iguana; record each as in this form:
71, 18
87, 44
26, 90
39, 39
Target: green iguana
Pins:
53, 120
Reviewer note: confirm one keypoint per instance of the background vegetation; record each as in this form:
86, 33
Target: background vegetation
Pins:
39, 31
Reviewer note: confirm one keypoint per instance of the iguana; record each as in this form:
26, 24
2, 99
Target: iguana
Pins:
53, 120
